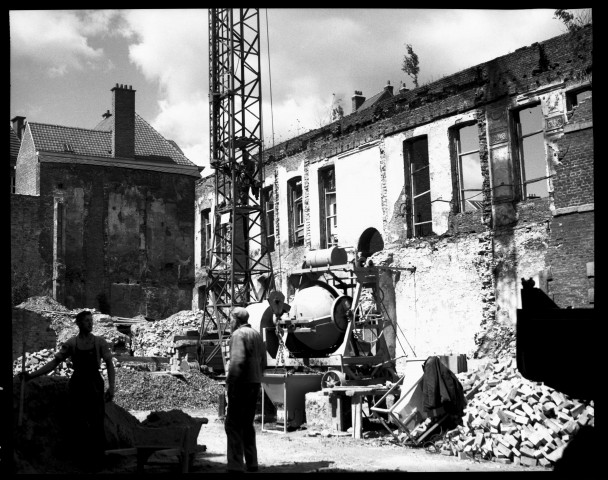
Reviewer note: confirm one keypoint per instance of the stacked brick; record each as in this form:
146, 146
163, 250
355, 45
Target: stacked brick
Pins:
509, 419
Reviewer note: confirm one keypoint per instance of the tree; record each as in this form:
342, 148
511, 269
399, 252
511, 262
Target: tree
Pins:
410, 64
573, 20
337, 112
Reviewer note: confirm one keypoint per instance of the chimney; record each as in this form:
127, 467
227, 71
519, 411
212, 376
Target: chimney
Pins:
123, 126
358, 100
403, 88
388, 87
18, 126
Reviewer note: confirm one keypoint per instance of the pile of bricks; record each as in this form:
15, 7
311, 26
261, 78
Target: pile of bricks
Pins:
509, 419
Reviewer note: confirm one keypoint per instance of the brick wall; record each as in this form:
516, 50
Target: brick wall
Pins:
571, 247
31, 258
574, 173
121, 226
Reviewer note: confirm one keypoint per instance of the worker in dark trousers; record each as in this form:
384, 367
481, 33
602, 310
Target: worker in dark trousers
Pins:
85, 389
247, 357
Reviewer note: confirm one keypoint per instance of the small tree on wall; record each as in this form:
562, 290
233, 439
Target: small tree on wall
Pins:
410, 64
573, 20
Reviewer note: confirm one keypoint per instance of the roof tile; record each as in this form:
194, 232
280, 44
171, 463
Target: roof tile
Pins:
149, 144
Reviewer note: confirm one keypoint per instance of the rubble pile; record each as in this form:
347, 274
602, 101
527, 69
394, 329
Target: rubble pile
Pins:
156, 338
149, 391
35, 360
509, 419
62, 322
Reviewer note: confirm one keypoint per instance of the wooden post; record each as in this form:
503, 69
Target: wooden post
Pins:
356, 415
22, 397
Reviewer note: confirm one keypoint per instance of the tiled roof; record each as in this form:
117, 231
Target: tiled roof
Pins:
149, 144
373, 100
15, 144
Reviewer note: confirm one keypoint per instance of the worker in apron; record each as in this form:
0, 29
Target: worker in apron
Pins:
85, 390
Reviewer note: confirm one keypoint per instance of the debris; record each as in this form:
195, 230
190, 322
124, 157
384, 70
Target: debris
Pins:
522, 422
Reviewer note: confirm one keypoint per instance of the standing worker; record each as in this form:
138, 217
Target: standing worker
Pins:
85, 389
247, 357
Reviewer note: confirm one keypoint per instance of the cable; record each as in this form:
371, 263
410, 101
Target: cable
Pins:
272, 127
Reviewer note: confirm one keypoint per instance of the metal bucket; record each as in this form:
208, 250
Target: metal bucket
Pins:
290, 392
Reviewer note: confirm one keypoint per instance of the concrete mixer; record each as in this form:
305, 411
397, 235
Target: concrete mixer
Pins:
329, 334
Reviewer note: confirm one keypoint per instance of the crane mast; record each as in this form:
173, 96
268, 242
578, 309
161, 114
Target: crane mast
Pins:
240, 270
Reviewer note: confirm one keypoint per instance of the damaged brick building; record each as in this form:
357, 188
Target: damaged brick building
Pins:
104, 217
474, 182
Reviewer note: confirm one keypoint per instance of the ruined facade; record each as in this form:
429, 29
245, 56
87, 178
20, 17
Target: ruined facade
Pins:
476, 181
103, 218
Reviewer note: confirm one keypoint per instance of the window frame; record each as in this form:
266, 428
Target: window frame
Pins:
206, 237
295, 203
458, 155
268, 193
411, 198
518, 147
324, 202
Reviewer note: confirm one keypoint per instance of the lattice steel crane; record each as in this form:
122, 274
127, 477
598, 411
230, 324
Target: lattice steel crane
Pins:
240, 270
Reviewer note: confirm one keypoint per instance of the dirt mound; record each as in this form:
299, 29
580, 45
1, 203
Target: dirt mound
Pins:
137, 390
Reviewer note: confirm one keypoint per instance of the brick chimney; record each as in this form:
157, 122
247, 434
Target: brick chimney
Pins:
388, 87
18, 126
123, 125
403, 88
358, 100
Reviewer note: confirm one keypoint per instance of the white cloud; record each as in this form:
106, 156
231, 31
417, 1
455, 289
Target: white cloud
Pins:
57, 39
170, 48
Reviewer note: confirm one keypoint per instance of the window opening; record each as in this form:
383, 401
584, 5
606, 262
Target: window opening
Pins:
531, 147
296, 211
269, 209
206, 237
418, 187
470, 179
329, 220
577, 96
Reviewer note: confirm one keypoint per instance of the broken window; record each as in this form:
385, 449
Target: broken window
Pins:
575, 97
466, 141
268, 199
296, 211
418, 187
329, 217
206, 237
530, 146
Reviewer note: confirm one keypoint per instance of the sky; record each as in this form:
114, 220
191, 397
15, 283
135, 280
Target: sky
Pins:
64, 63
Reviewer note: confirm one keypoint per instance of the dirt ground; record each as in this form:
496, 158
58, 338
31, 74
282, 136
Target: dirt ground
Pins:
298, 452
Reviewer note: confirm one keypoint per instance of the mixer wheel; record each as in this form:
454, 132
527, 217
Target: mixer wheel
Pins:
332, 378
341, 312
